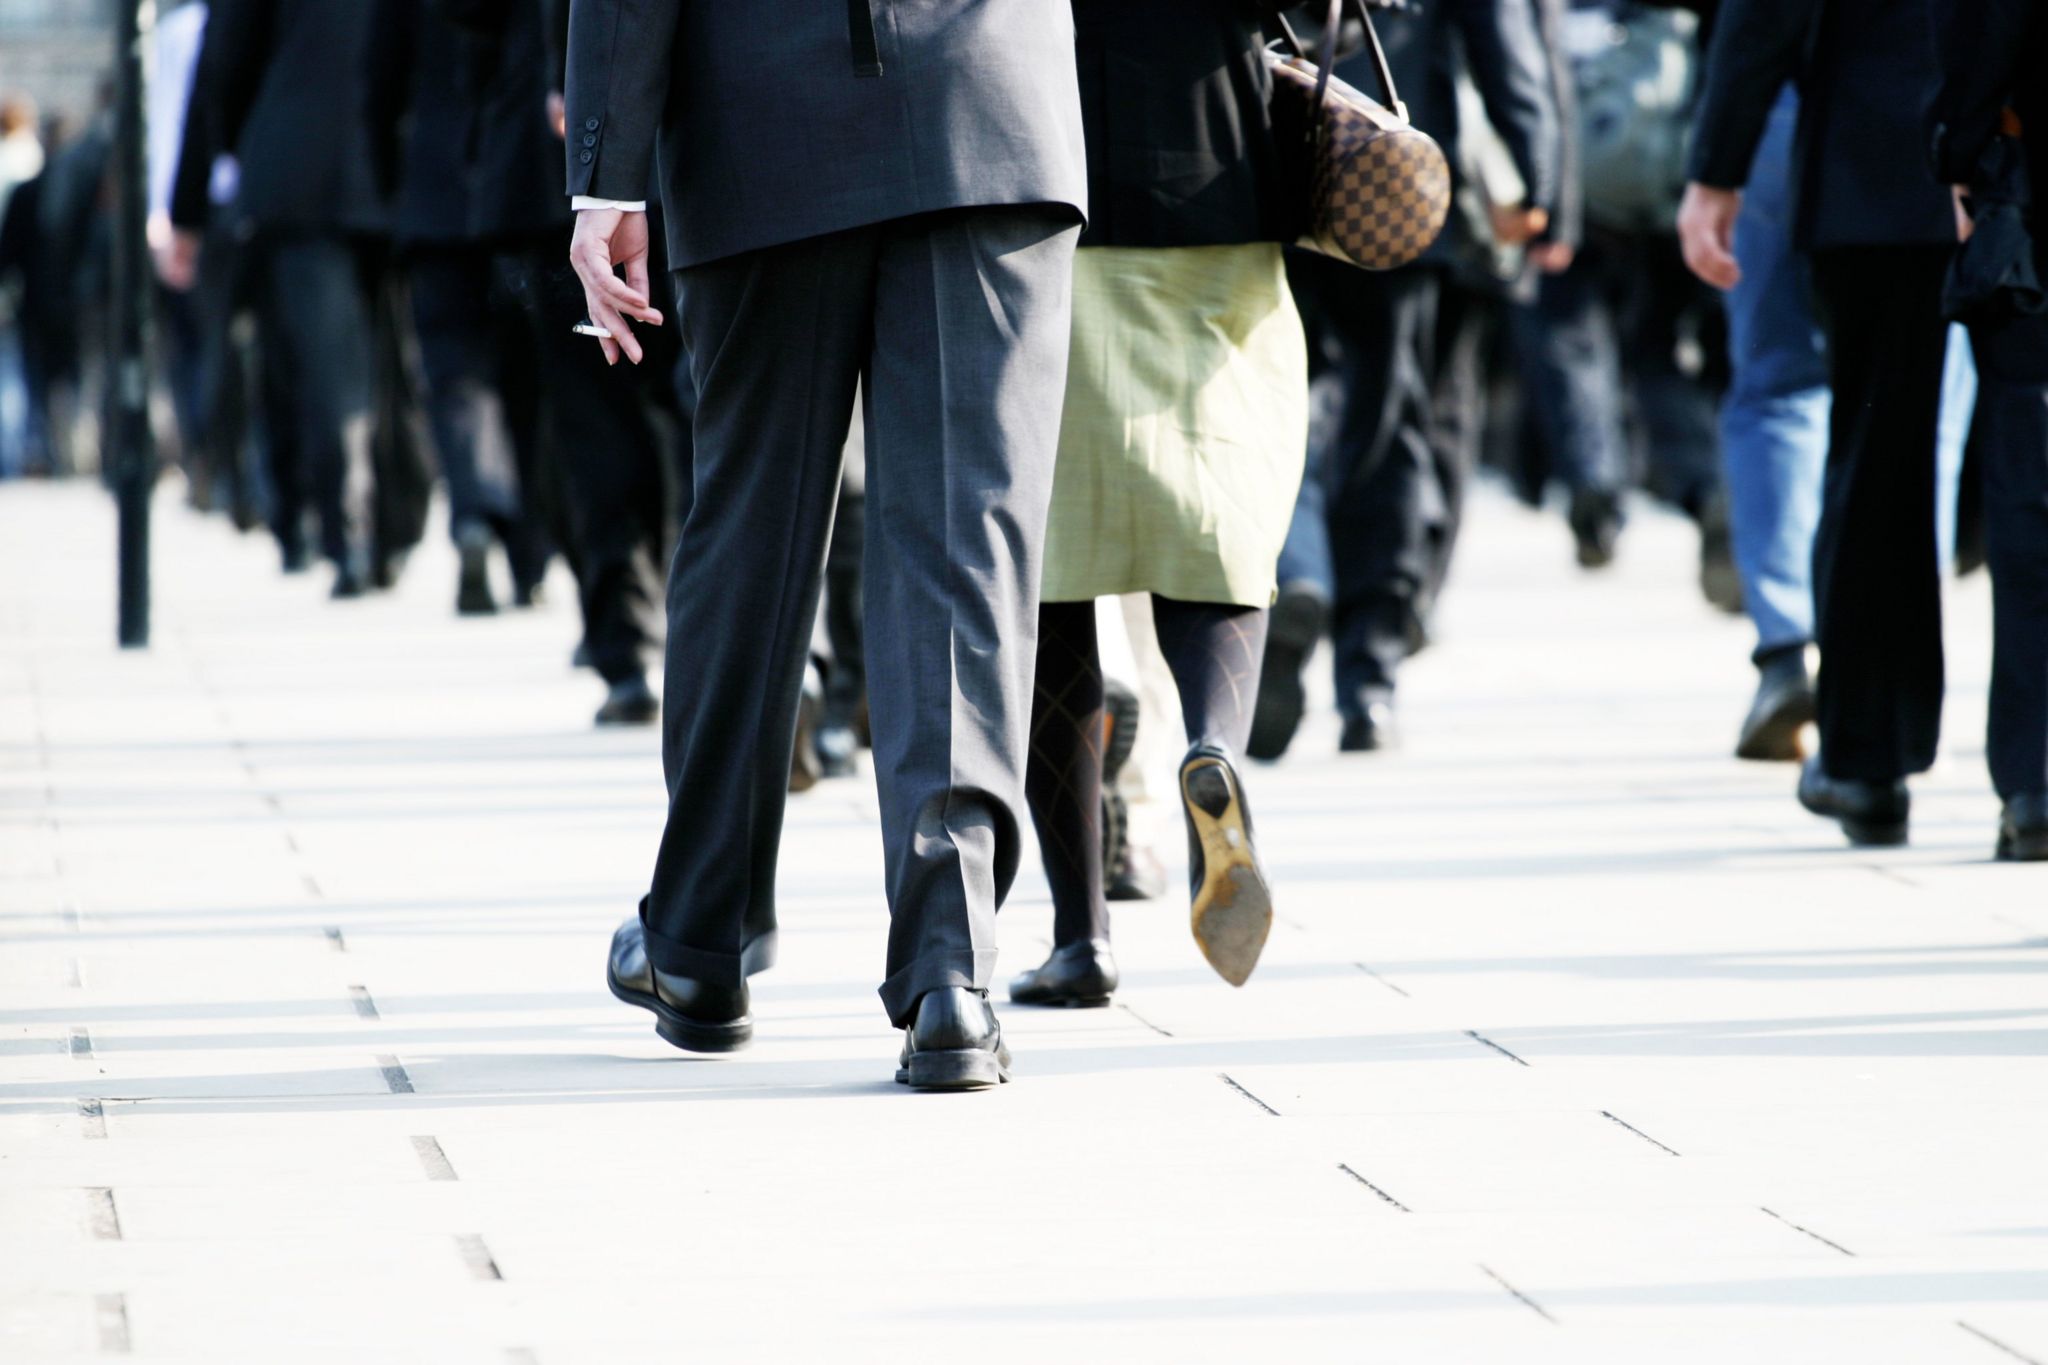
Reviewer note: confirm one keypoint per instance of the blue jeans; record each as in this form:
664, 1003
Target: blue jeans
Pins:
1774, 422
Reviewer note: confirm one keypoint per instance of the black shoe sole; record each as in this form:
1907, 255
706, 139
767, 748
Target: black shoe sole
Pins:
1780, 736
1062, 1002
966, 1069
1871, 834
691, 1035
2030, 846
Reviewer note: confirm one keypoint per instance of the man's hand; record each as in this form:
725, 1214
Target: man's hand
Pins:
1518, 226
606, 238
1965, 224
177, 260
1552, 258
1706, 233
558, 114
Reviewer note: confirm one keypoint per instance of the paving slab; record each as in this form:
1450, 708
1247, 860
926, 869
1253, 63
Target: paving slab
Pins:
1575, 1039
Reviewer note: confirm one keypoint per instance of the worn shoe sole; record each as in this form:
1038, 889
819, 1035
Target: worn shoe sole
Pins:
1232, 906
679, 1030
1779, 737
966, 1069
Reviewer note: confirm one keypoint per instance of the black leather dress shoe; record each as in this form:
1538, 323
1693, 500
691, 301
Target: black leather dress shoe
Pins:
692, 1014
1595, 519
2023, 829
1775, 729
1872, 814
1370, 730
1300, 614
1080, 974
473, 596
1231, 905
629, 702
955, 1043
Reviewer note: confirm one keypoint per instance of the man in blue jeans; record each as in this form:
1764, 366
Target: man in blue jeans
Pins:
1774, 442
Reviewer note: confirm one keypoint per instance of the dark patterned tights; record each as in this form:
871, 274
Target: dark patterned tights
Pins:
1214, 652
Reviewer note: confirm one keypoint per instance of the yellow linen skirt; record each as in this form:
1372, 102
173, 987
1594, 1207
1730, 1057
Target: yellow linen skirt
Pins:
1185, 429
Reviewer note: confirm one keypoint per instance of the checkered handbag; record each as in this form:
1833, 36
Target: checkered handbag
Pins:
1379, 188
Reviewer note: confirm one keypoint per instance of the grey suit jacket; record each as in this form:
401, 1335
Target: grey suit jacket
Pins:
778, 122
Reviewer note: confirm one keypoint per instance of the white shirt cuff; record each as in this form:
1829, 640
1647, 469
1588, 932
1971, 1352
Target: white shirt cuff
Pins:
580, 202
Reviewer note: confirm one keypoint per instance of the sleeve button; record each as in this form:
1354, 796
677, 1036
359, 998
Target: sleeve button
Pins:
590, 125
590, 139
584, 157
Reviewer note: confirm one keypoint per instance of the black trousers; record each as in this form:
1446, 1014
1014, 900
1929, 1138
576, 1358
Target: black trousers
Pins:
1372, 353
483, 398
1876, 571
607, 464
315, 320
2012, 405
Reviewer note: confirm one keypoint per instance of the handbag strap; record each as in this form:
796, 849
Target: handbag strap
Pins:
1327, 58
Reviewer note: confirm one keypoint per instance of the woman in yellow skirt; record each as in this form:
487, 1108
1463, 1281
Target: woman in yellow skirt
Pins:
1180, 456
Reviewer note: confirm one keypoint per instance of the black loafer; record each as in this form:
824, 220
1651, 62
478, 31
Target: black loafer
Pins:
1872, 814
473, 596
1080, 975
694, 1015
2023, 829
1775, 729
1232, 907
955, 1043
629, 701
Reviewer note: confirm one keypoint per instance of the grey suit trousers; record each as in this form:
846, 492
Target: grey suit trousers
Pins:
958, 323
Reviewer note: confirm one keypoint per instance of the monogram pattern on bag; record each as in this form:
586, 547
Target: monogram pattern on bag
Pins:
1382, 188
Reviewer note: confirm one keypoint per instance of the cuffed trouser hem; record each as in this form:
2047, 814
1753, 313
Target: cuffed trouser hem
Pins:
934, 971
729, 970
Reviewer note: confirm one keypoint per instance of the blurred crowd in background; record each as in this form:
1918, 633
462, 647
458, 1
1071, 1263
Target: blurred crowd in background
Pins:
361, 240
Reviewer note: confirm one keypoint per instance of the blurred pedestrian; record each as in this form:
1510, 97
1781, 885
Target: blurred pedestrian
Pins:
1180, 454
287, 86
1366, 545
1990, 138
849, 198
1881, 235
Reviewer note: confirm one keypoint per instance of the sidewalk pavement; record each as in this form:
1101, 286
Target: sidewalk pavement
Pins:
1576, 1039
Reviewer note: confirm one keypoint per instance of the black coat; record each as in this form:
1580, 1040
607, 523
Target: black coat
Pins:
1866, 71
1175, 107
480, 161
1994, 53
287, 85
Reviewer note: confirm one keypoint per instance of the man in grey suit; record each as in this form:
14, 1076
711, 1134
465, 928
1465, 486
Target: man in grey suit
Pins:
887, 190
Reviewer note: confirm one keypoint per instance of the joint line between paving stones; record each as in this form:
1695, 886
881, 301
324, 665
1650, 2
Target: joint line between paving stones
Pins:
334, 936
521, 1355
1607, 1114
1226, 1079
359, 996
1992, 1341
1528, 1302
111, 1310
81, 1043
394, 1075
1143, 1020
1374, 1188
1485, 1041
1381, 979
478, 1257
1826, 1242
101, 1215
92, 1116
433, 1159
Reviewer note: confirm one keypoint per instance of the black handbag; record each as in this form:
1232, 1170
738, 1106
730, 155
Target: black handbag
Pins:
1377, 188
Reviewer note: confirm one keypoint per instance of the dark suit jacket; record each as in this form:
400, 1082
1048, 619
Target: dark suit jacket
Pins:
1176, 101
1994, 54
1866, 70
287, 86
480, 161
792, 120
